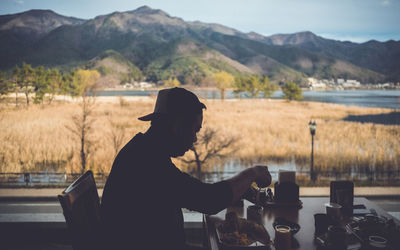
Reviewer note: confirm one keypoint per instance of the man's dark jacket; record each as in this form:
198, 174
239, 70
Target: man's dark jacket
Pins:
144, 193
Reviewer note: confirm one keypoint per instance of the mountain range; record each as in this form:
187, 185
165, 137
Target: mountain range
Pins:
149, 42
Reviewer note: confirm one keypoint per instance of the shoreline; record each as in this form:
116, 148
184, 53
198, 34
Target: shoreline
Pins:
231, 89
318, 97
151, 99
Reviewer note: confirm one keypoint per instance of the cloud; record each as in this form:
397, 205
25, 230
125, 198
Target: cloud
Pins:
19, 2
385, 3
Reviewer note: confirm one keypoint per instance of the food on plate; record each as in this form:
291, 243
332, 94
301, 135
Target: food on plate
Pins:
231, 223
236, 238
239, 231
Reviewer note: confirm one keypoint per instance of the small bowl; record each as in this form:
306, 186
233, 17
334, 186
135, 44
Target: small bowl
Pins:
377, 241
294, 227
333, 205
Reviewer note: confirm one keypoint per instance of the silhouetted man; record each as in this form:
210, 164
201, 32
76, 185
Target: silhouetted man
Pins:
145, 191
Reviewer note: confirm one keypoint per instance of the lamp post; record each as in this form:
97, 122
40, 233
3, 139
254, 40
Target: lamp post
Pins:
313, 127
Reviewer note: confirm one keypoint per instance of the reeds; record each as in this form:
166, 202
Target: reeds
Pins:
36, 139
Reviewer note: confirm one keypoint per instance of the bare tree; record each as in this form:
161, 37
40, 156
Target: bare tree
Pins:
210, 144
86, 81
82, 127
116, 135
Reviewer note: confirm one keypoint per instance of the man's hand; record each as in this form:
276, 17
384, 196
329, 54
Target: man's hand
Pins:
251, 194
262, 176
241, 182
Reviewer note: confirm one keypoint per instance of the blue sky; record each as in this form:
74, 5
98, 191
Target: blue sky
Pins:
353, 20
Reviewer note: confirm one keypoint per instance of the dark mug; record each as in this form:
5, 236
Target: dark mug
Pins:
262, 196
345, 199
337, 237
321, 222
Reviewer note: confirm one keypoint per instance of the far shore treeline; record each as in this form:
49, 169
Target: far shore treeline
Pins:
43, 84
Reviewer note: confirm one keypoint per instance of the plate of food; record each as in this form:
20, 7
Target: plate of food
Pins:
239, 233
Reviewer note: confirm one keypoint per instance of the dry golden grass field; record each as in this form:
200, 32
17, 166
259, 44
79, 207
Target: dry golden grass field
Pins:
37, 138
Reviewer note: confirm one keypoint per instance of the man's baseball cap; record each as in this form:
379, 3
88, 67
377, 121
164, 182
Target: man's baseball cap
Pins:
174, 102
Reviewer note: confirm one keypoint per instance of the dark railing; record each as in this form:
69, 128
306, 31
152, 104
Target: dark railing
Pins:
45, 178
393, 176
64, 179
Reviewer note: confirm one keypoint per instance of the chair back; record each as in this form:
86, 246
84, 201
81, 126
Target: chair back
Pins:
81, 206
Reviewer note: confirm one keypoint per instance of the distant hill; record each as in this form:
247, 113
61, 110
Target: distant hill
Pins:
381, 57
160, 46
114, 69
19, 32
35, 23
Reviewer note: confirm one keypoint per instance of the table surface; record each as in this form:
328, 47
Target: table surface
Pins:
303, 216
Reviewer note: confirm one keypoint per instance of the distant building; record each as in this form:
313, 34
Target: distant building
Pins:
314, 83
128, 86
143, 85
312, 80
351, 84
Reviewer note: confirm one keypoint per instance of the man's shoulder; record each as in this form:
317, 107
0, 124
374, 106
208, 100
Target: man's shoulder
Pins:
138, 142
139, 148
134, 149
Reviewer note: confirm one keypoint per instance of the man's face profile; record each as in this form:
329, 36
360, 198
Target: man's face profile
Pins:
186, 135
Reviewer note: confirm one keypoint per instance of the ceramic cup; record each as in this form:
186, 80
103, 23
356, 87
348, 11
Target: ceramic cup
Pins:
321, 222
333, 210
283, 237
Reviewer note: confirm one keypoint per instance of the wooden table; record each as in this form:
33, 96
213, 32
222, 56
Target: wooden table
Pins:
304, 217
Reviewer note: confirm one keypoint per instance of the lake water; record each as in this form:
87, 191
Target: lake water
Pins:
364, 98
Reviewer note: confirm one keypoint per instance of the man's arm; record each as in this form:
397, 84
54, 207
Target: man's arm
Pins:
242, 181
207, 198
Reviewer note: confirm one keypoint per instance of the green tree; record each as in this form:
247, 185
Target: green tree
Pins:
67, 84
5, 84
172, 82
267, 87
26, 80
239, 85
39, 83
16, 79
54, 83
223, 80
291, 91
253, 86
